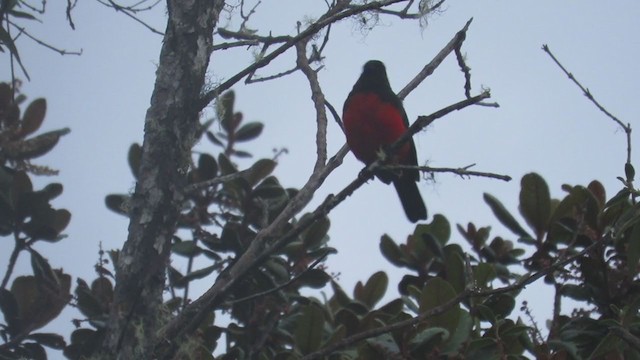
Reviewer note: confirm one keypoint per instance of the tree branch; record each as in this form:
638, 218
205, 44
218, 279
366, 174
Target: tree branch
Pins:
587, 93
333, 15
462, 172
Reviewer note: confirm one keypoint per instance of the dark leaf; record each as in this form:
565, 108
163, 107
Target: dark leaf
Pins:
35, 351
260, 170
134, 158
207, 167
186, 248
314, 278
242, 154
214, 139
535, 202
249, 131
226, 166
118, 203
34, 147
199, 274
316, 233
629, 171
373, 290
11, 311
391, 251
33, 117
500, 304
598, 192
437, 292
504, 216
308, 330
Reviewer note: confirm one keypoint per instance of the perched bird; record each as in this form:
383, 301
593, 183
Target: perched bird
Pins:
373, 117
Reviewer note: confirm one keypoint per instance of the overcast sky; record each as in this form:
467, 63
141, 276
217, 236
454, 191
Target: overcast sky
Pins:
544, 123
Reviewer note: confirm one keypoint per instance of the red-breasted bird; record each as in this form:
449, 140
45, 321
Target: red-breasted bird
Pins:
373, 117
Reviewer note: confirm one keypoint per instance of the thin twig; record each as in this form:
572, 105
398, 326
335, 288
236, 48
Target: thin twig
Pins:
130, 11
333, 15
428, 69
587, 93
23, 31
463, 171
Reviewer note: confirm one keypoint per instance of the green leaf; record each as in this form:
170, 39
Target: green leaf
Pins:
629, 171
504, 216
186, 248
373, 290
308, 330
483, 275
454, 267
316, 233
384, 345
425, 340
214, 139
314, 278
460, 336
435, 293
260, 170
226, 166
610, 344
535, 203
199, 274
391, 251
439, 228
249, 131
501, 305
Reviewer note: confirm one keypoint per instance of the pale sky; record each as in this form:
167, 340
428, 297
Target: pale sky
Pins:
544, 123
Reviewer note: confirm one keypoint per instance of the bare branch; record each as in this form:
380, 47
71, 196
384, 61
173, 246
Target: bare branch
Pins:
243, 35
453, 44
462, 172
23, 31
334, 14
130, 11
587, 93
318, 102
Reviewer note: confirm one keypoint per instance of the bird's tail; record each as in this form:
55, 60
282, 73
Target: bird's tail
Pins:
410, 198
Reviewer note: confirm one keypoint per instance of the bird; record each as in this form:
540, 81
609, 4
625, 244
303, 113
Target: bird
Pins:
373, 118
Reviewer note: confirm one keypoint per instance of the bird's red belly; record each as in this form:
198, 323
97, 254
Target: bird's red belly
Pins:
370, 124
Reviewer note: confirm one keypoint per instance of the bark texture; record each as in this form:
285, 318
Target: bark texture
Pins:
170, 126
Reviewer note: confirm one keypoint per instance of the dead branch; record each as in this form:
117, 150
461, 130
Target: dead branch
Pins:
587, 93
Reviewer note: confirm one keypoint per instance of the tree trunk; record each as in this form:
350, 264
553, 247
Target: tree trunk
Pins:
170, 126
